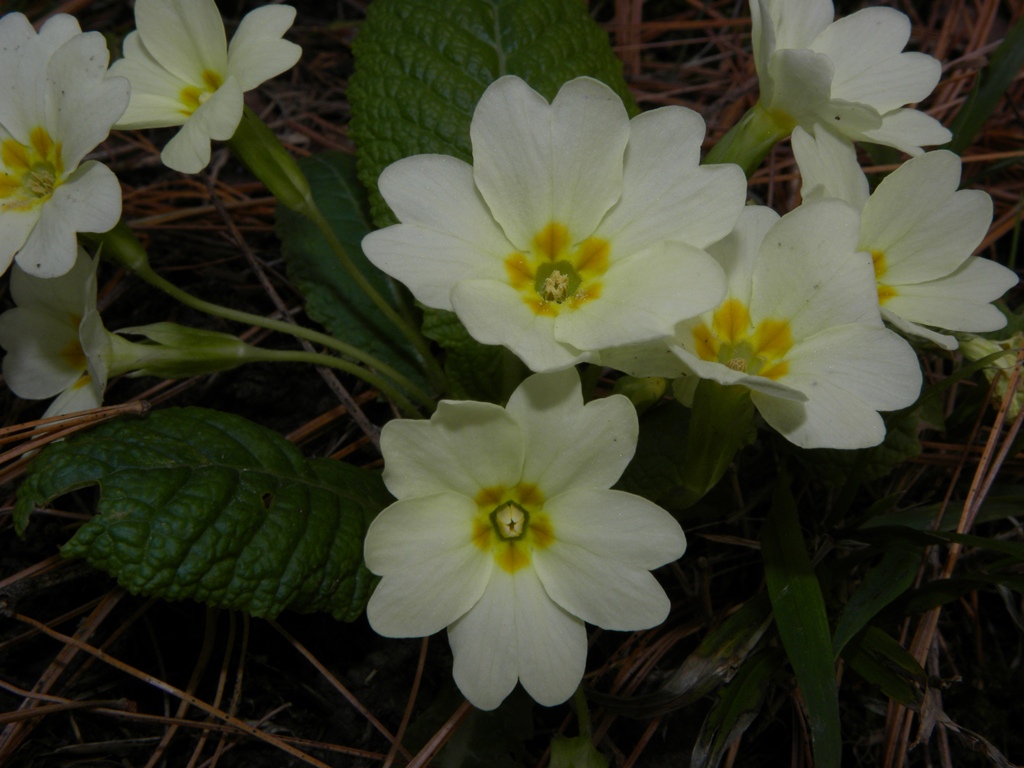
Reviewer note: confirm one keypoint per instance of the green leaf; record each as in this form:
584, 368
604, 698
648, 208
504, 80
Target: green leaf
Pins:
803, 626
721, 425
332, 297
475, 371
893, 576
655, 471
735, 708
422, 65
882, 661
991, 88
205, 505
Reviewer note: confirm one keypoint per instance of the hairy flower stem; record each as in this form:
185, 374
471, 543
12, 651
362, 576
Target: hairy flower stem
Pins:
121, 246
749, 141
263, 154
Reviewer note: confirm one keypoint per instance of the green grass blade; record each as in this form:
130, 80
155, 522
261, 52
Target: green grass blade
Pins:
990, 89
803, 626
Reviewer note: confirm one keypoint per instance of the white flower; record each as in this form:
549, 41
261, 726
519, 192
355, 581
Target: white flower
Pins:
920, 232
184, 73
849, 74
506, 533
55, 341
56, 105
575, 228
799, 328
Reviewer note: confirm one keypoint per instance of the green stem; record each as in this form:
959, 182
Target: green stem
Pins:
294, 356
749, 141
121, 245
261, 152
421, 345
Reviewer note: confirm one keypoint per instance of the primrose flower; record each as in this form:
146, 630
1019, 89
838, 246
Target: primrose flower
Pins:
56, 343
56, 105
850, 75
799, 328
920, 232
575, 228
184, 73
505, 531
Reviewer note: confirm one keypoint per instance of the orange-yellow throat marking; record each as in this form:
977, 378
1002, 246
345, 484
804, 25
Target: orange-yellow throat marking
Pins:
734, 341
192, 96
556, 275
885, 292
31, 172
511, 524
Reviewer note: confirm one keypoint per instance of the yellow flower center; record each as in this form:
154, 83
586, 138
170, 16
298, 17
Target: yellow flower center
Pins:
885, 292
511, 524
192, 97
556, 274
736, 342
31, 172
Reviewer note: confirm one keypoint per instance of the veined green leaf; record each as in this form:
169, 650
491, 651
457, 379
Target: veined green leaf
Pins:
802, 623
422, 65
200, 504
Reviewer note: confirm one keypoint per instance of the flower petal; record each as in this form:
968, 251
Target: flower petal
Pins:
796, 25
957, 302
617, 526
666, 194
67, 296
536, 163
810, 273
433, 572
803, 91
51, 247
737, 252
494, 313
257, 53
37, 365
485, 645
874, 365
87, 103
569, 444
517, 631
82, 395
185, 36
606, 593
921, 223
155, 93
865, 50
217, 118
15, 228
90, 199
848, 374
644, 297
907, 130
828, 167
447, 233
723, 374
465, 447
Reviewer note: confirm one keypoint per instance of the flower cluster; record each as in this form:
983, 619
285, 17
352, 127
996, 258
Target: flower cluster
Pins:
56, 104
576, 235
